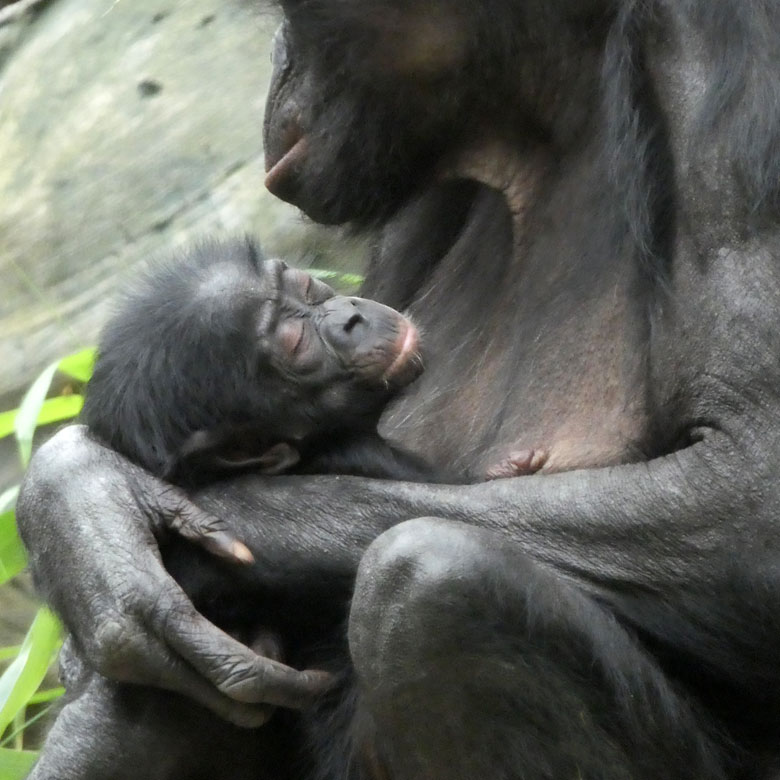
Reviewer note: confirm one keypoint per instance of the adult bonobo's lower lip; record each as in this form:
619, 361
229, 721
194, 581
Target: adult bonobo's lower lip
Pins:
286, 177
281, 177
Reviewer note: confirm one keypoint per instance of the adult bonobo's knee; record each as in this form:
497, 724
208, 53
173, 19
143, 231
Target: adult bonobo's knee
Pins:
397, 577
414, 577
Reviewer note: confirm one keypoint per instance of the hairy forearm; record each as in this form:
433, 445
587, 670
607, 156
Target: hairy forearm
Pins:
652, 525
647, 524
61, 510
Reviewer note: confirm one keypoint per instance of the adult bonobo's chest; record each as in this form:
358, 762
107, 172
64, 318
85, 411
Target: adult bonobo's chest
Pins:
502, 235
551, 354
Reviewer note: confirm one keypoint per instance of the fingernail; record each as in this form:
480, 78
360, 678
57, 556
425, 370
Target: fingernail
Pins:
321, 679
241, 552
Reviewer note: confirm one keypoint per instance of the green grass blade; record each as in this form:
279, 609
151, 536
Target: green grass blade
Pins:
13, 557
8, 498
27, 416
62, 407
79, 365
7, 422
349, 280
17, 738
23, 676
15, 764
14, 734
50, 694
36, 410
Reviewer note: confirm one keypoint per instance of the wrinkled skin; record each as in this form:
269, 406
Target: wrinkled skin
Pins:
593, 259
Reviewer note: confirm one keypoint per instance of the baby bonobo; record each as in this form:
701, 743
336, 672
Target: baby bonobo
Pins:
220, 361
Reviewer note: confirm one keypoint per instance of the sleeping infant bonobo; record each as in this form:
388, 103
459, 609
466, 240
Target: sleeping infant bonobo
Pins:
221, 361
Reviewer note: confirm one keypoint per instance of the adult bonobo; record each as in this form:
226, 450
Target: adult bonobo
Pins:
578, 205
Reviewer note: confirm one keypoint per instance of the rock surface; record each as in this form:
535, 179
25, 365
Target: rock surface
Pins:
127, 127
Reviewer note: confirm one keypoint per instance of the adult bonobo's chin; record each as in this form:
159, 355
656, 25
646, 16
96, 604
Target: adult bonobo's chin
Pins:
404, 100
577, 204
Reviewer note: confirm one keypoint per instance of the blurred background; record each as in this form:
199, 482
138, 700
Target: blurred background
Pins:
127, 128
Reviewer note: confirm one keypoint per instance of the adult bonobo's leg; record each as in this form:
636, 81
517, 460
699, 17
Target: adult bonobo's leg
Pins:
104, 733
129, 732
476, 661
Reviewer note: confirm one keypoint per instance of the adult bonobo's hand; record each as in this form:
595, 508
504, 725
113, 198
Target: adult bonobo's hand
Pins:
91, 521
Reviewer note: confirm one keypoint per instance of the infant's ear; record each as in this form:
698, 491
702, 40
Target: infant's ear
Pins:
224, 451
277, 459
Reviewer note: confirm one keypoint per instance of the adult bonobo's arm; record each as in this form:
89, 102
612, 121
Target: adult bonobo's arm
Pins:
662, 525
92, 522
678, 545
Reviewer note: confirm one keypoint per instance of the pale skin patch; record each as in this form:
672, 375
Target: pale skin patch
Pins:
497, 163
426, 41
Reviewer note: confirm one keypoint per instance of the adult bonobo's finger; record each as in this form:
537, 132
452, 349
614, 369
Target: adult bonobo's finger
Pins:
171, 509
177, 676
233, 668
273, 682
146, 660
